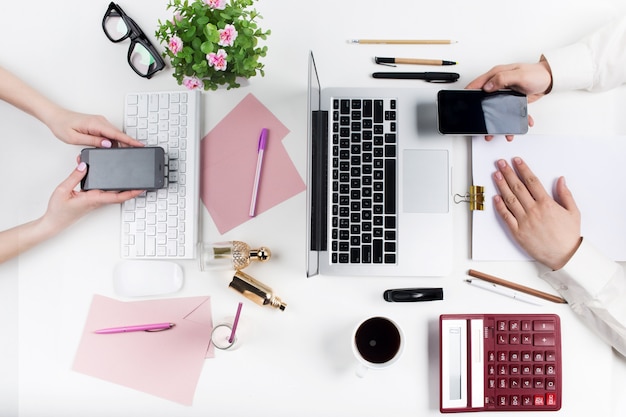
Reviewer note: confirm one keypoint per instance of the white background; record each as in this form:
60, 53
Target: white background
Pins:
296, 362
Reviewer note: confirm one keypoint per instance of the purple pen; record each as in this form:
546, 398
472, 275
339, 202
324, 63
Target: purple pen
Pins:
155, 327
257, 175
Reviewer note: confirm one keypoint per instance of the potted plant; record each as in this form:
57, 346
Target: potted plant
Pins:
211, 43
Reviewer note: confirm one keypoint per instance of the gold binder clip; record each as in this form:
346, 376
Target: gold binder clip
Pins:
475, 197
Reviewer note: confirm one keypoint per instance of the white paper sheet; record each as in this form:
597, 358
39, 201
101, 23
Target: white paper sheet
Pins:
594, 168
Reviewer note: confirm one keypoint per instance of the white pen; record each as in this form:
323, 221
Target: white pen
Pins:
503, 291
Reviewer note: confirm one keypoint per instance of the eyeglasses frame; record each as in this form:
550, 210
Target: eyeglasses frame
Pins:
136, 35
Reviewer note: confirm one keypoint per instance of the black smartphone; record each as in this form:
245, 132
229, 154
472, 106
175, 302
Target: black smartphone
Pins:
475, 112
119, 169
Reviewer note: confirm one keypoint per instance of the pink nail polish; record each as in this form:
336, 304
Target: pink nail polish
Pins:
81, 167
501, 163
105, 143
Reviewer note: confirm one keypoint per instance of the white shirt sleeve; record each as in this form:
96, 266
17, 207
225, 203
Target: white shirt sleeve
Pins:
595, 288
595, 63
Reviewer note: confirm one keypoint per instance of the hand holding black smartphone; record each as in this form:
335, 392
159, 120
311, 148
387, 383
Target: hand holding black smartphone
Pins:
120, 169
476, 112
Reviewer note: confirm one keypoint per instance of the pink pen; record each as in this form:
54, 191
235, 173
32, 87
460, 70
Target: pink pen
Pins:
257, 175
155, 327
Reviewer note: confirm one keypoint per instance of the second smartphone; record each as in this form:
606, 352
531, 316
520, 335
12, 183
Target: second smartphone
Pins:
119, 169
475, 112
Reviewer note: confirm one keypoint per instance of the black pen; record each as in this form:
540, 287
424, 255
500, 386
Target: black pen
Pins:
440, 77
413, 294
414, 61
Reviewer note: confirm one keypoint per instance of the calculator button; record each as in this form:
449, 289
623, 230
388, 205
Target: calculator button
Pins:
538, 400
550, 384
543, 326
551, 399
544, 340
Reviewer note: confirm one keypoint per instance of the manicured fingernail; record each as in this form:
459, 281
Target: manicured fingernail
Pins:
488, 86
498, 175
517, 160
105, 143
501, 163
81, 167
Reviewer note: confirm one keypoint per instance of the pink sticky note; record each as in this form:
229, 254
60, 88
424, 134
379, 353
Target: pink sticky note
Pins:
166, 364
229, 157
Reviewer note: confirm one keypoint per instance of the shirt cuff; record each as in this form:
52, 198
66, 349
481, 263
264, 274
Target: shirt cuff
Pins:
586, 274
571, 67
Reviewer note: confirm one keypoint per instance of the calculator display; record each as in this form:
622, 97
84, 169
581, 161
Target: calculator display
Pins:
500, 362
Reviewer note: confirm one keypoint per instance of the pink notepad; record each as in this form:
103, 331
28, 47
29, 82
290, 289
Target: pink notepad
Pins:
166, 364
228, 164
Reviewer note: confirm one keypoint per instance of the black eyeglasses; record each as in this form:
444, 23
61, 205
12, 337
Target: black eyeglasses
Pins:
143, 58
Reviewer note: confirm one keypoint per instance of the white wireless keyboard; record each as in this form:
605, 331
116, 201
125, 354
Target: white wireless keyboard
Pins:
164, 223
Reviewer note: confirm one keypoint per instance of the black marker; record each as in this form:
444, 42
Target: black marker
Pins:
413, 294
433, 77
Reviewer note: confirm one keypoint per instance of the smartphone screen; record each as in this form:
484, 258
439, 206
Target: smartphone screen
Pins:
475, 112
123, 168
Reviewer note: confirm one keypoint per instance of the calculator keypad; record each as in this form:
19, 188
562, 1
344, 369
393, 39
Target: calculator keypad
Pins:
523, 366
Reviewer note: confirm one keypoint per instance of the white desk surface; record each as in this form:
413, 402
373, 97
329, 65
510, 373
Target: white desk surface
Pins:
296, 362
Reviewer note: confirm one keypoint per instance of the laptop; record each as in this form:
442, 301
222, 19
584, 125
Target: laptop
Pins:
379, 183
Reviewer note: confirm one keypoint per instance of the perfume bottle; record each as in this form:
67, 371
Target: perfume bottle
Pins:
256, 291
233, 254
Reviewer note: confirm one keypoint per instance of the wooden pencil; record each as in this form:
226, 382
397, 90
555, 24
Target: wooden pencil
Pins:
404, 41
517, 287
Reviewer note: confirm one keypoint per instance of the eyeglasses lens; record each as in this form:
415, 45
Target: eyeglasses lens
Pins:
115, 27
141, 59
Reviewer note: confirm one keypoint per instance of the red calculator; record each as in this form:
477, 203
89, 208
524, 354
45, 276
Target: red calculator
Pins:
499, 362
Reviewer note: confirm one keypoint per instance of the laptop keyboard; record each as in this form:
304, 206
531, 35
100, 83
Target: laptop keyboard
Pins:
164, 223
363, 171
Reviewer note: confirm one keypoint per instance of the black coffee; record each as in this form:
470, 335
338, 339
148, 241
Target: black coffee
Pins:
377, 340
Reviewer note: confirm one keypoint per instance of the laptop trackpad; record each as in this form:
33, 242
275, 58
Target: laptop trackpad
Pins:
425, 181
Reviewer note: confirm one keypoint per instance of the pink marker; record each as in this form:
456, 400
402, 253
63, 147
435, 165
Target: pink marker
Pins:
257, 175
155, 327
235, 322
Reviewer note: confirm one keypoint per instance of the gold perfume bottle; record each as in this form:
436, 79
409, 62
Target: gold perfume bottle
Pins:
256, 291
232, 254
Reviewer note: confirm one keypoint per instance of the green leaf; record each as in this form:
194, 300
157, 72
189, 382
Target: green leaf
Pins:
207, 47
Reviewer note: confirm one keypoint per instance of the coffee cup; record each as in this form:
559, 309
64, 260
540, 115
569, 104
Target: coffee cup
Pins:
377, 343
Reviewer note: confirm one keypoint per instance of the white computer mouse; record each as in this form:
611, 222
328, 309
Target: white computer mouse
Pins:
134, 278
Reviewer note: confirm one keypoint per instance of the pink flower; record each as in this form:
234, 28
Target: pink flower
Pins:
177, 17
192, 82
216, 4
227, 35
175, 44
217, 60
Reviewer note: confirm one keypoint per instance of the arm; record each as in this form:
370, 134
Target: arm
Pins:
596, 63
65, 207
69, 126
594, 286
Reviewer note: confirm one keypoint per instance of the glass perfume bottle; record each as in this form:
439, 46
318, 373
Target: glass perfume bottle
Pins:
256, 291
232, 254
